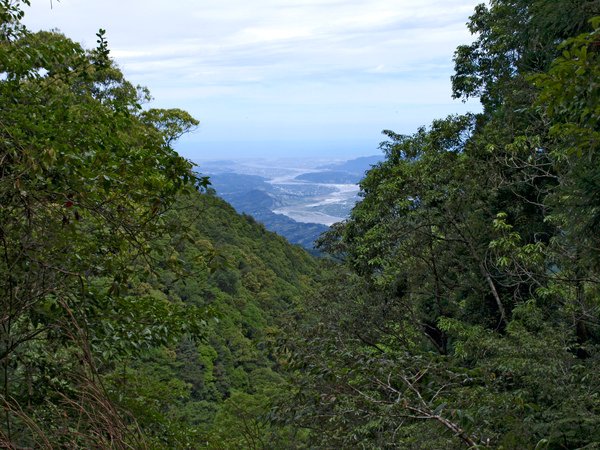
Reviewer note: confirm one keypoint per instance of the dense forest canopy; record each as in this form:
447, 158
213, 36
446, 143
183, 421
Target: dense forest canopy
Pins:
133, 306
87, 183
459, 306
469, 313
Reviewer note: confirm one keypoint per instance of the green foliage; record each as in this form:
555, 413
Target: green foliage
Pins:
466, 310
172, 123
569, 96
243, 281
461, 307
514, 38
86, 183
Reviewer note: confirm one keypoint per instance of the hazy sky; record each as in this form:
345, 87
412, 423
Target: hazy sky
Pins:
280, 77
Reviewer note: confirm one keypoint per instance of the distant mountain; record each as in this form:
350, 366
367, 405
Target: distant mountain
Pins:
356, 166
252, 201
331, 177
254, 196
219, 166
231, 183
266, 190
303, 234
348, 172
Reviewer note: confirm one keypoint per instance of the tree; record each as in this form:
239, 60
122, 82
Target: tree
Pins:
514, 38
86, 181
466, 310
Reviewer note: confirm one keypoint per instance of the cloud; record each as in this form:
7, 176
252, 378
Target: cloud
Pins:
278, 60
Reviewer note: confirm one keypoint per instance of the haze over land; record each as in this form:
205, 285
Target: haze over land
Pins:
295, 197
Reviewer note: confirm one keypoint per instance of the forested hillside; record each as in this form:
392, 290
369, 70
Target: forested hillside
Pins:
136, 309
466, 313
460, 307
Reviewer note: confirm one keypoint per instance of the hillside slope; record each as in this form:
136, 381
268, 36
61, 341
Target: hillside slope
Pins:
247, 280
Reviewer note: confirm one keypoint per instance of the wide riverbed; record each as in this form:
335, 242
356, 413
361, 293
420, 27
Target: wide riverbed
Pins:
327, 208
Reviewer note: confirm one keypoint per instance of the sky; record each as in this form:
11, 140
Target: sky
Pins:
280, 78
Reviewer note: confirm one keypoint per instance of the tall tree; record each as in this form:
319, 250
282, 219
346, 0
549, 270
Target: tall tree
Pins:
86, 180
467, 309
